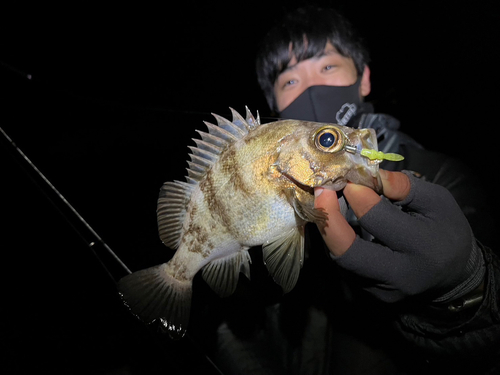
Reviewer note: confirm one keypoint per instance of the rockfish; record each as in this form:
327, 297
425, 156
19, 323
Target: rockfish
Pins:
248, 184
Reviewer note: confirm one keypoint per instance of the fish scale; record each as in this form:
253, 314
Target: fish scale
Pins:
248, 184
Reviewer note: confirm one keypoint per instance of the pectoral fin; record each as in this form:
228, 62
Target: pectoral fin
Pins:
303, 205
284, 256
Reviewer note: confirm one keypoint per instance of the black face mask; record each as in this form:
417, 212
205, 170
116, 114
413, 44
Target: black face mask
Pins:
332, 104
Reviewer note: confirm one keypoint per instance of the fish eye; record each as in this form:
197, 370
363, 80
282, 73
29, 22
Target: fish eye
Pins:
329, 139
326, 139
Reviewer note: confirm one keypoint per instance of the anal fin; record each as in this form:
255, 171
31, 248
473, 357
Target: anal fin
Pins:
222, 274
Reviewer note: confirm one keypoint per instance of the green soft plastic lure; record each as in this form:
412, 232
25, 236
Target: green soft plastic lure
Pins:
379, 155
374, 154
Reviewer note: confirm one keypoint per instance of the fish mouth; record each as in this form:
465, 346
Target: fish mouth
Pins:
366, 174
336, 185
306, 188
367, 171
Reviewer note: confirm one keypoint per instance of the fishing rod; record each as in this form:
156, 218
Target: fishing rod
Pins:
111, 263
108, 259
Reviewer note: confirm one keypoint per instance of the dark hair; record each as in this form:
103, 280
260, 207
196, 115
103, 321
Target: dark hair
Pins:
308, 29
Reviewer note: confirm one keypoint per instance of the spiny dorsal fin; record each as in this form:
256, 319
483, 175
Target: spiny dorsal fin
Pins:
230, 127
251, 120
219, 136
175, 196
240, 122
207, 146
203, 153
221, 133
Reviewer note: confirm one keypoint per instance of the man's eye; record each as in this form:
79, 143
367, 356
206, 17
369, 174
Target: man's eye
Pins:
329, 67
289, 83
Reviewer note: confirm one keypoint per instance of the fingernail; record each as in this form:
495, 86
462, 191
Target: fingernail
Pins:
318, 191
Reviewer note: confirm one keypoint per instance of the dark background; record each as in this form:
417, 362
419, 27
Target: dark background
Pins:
104, 101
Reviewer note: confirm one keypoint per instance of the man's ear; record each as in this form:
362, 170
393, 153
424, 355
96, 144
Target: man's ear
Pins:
366, 85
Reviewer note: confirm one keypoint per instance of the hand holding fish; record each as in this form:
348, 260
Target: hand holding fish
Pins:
340, 236
425, 244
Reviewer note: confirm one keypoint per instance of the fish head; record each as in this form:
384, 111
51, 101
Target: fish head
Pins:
327, 155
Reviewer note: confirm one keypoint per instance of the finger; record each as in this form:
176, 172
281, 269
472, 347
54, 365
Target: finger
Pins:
361, 198
338, 234
423, 197
396, 184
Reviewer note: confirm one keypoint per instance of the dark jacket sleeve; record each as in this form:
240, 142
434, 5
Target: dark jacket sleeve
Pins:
466, 186
473, 335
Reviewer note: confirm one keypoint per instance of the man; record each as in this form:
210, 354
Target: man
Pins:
410, 256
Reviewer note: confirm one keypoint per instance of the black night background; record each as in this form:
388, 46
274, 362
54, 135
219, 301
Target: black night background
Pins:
105, 100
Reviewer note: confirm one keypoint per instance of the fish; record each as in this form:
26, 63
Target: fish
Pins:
248, 184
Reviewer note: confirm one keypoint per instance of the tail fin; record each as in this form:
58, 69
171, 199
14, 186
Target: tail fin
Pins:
153, 294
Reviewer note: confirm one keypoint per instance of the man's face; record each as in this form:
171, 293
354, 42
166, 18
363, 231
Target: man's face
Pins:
329, 69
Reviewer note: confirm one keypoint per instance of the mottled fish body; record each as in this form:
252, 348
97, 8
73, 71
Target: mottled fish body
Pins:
248, 184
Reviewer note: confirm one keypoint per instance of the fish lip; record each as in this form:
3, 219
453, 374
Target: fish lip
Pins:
379, 187
340, 184
373, 169
334, 184
376, 181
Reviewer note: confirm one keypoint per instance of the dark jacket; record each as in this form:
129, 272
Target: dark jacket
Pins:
440, 334
327, 325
